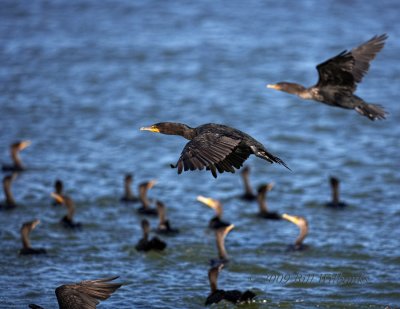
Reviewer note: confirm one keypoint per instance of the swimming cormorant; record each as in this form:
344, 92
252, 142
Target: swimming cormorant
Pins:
338, 79
17, 165
145, 208
164, 226
145, 244
335, 203
68, 219
26, 229
9, 203
128, 195
262, 203
220, 235
215, 147
302, 223
85, 294
216, 221
248, 191
216, 295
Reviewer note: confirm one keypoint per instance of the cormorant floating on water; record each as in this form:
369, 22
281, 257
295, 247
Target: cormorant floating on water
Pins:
302, 223
128, 195
145, 209
68, 219
26, 229
85, 294
9, 202
335, 203
215, 222
216, 295
248, 191
338, 79
262, 203
164, 226
215, 147
145, 244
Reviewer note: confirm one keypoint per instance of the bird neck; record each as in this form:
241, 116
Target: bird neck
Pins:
143, 197
262, 203
128, 191
335, 194
179, 129
70, 208
161, 216
302, 235
213, 277
220, 239
25, 237
247, 186
8, 194
15, 158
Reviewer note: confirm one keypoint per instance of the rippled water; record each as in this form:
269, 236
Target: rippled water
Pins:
79, 78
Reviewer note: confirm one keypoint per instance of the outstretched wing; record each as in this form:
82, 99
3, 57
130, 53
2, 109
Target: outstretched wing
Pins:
213, 152
85, 294
348, 68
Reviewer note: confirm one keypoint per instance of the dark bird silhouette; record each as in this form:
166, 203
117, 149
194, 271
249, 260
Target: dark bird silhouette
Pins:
26, 229
85, 294
338, 79
302, 223
17, 165
216, 295
262, 203
335, 203
68, 220
215, 222
145, 209
220, 235
164, 226
248, 194
128, 196
215, 147
145, 244
9, 202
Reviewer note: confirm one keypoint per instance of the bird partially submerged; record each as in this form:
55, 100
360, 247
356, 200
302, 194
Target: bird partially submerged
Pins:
164, 227
217, 295
26, 229
128, 196
146, 244
85, 294
68, 219
213, 146
302, 224
335, 202
145, 209
338, 79
17, 165
216, 222
9, 202
262, 203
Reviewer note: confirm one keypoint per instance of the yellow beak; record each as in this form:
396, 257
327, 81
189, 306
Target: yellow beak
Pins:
290, 218
152, 183
151, 129
24, 144
229, 228
58, 197
207, 201
274, 86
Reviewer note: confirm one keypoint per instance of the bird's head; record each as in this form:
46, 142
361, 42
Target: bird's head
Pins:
291, 88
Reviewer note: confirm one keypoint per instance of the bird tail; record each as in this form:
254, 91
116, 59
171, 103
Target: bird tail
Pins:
267, 156
372, 111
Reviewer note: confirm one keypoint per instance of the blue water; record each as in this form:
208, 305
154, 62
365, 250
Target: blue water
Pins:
79, 78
